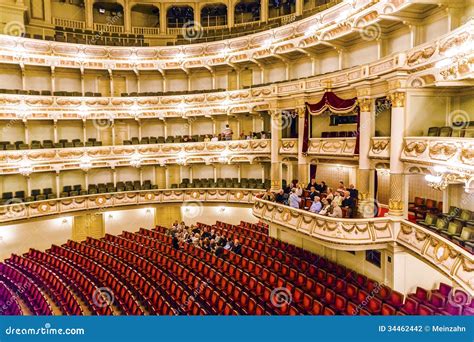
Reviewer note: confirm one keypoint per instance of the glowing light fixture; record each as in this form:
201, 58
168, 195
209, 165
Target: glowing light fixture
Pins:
25, 168
85, 163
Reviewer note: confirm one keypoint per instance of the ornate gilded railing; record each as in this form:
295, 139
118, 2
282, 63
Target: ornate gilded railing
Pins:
332, 146
452, 152
289, 146
353, 234
380, 148
16, 211
453, 260
124, 155
347, 232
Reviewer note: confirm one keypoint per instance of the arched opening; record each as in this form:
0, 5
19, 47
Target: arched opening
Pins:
73, 10
108, 16
247, 11
279, 8
177, 16
214, 15
145, 16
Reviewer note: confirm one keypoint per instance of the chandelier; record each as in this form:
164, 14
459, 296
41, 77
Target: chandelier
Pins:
85, 163
25, 168
135, 160
224, 157
181, 160
442, 178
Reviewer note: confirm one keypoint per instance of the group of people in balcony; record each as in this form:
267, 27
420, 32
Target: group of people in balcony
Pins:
205, 238
318, 198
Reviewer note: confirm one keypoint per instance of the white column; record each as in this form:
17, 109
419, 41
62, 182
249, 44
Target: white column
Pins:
366, 204
397, 182
28, 186
139, 129
127, 18
53, 81
113, 133
299, 7
191, 174
163, 23
302, 163
239, 172
27, 135
58, 186
165, 129
167, 174
114, 176
215, 173
89, 13
263, 173
140, 170
84, 130
275, 150
264, 10
86, 179
55, 131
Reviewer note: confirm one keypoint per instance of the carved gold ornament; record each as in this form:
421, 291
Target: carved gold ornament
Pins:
150, 196
397, 99
415, 146
44, 207
365, 104
100, 200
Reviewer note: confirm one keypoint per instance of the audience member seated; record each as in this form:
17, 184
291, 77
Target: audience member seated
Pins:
316, 206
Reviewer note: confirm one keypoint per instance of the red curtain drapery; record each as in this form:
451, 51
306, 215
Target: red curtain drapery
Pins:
335, 104
332, 102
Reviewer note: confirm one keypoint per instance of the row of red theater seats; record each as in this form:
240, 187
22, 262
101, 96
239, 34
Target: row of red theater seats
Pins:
331, 303
218, 279
162, 255
179, 291
429, 304
123, 296
25, 289
8, 303
151, 283
427, 307
50, 282
77, 280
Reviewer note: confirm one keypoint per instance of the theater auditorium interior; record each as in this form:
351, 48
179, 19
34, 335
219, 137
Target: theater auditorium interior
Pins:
244, 157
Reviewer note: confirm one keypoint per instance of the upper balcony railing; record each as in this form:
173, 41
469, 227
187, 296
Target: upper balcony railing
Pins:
74, 24
354, 234
28, 210
451, 152
325, 26
133, 155
380, 148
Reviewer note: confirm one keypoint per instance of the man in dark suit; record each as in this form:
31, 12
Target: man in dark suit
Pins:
311, 184
237, 247
313, 193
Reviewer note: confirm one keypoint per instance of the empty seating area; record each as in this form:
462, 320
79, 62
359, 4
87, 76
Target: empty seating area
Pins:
48, 93
465, 130
36, 144
80, 36
76, 190
143, 274
456, 225
175, 92
245, 183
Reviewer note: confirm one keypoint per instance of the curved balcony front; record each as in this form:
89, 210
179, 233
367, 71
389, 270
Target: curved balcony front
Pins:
17, 211
361, 234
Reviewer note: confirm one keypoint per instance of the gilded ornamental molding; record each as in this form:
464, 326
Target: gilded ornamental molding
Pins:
125, 155
350, 234
453, 152
332, 146
379, 148
23, 211
453, 260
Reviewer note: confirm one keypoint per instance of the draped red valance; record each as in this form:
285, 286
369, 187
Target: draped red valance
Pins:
336, 105
332, 102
